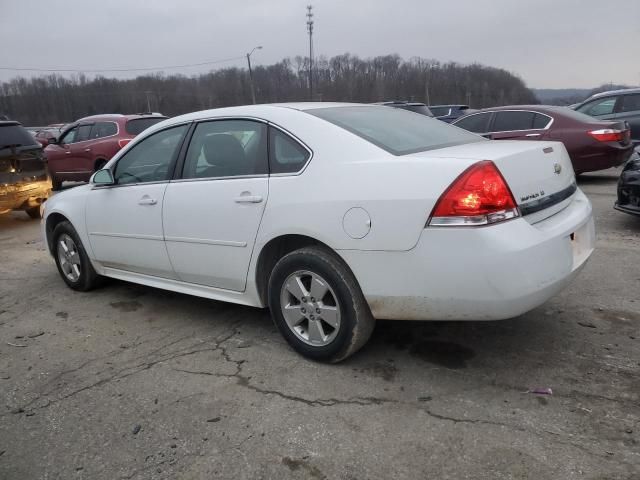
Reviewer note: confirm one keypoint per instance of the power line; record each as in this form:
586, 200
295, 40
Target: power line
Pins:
143, 69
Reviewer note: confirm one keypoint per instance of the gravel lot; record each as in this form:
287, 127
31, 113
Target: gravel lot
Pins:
131, 382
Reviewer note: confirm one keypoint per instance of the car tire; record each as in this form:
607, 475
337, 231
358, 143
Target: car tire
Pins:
100, 163
33, 212
75, 268
56, 185
330, 328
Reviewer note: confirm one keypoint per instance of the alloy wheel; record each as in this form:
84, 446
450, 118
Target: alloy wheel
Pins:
69, 257
310, 308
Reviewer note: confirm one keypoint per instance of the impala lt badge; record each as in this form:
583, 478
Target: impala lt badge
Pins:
557, 168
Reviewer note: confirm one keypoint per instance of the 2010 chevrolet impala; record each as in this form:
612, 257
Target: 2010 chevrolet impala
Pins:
331, 215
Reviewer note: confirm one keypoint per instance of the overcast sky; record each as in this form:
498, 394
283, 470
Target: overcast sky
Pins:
548, 43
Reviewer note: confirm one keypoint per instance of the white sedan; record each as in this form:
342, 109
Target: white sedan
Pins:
332, 215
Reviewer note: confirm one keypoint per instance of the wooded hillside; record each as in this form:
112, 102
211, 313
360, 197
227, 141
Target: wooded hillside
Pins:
53, 98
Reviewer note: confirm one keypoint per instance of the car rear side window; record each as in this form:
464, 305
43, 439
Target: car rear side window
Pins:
477, 123
227, 148
286, 155
138, 125
104, 129
397, 131
630, 103
540, 121
507, 121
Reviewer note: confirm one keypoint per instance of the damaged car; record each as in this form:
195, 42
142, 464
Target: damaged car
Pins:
24, 180
629, 186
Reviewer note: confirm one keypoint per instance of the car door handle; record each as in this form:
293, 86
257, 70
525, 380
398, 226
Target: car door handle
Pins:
532, 135
248, 199
87, 149
67, 152
146, 200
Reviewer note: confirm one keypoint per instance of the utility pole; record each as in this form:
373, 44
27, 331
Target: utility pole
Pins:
253, 92
148, 100
310, 31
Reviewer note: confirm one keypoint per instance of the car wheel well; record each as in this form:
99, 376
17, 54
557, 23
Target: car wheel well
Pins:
273, 251
52, 222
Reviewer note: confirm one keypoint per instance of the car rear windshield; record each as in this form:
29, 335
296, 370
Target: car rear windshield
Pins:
570, 113
397, 131
16, 136
137, 125
440, 111
421, 109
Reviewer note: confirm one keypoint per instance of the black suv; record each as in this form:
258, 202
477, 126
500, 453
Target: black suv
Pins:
449, 113
411, 106
24, 180
621, 105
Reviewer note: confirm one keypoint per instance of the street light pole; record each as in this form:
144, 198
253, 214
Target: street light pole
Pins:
253, 92
310, 31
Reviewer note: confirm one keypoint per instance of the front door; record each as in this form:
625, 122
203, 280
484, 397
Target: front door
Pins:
61, 156
124, 221
212, 213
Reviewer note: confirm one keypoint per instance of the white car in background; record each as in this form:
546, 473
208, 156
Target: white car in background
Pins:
331, 215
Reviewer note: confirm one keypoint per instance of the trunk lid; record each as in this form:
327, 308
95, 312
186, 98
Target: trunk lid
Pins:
539, 173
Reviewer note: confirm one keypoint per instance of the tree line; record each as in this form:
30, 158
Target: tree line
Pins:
54, 98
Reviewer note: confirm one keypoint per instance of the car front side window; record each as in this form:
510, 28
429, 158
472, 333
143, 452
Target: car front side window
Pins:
69, 137
151, 159
597, 108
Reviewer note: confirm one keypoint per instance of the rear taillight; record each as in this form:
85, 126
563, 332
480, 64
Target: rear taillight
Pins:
123, 141
609, 135
479, 196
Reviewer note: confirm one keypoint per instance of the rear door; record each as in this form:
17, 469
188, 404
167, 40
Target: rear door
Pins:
629, 111
211, 214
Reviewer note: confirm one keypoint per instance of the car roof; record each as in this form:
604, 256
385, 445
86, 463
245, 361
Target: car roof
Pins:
118, 116
548, 109
459, 105
614, 92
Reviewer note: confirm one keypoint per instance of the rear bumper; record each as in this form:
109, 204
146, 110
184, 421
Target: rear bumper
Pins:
604, 158
486, 273
25, 195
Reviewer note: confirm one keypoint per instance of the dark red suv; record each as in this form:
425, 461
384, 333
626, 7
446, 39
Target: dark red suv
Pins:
88, 144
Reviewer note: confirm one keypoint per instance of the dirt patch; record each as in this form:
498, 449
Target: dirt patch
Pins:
126, 306
296, 465
446, 354
385, 371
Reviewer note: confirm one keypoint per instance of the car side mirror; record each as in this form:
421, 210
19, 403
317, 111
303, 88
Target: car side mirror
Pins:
52, 141
102, 177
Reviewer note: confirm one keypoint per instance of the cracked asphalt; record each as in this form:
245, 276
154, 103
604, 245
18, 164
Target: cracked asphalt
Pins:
129, 382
